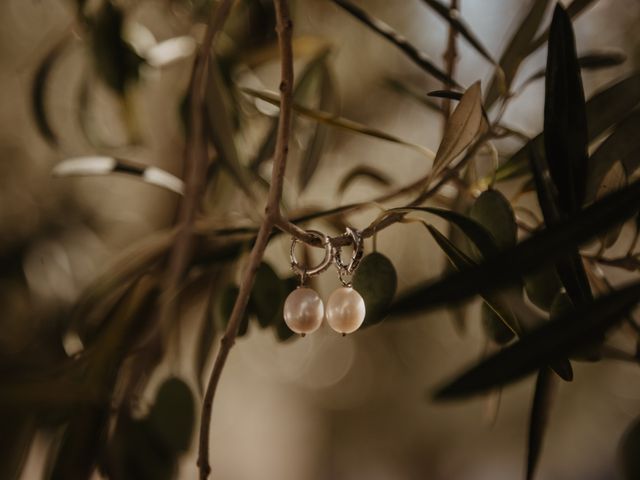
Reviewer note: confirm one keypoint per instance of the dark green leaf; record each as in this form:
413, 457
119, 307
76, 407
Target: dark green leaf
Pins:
630, 451
542, 247
283, 332
172, 417
115, 61
376, 280
540, 410
363, 172
604, 109
267, 296
546, 344
456, 22
516, 51
565, 120
418, 57
494, 212
39, 88
227, 301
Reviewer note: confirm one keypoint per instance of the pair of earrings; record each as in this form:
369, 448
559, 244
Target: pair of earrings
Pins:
345, 311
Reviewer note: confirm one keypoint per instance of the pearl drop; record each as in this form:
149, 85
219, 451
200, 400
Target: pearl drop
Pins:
345, 310
303, 310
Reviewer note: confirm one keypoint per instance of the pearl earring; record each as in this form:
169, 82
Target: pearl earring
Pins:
345, 308
303, 308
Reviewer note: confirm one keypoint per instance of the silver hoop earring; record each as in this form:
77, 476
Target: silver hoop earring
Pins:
345, 308
303, 308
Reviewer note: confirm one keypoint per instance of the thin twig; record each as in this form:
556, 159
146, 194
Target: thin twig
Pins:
272, 216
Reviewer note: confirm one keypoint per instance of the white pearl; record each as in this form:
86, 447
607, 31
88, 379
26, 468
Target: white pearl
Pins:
303, 310
345, 310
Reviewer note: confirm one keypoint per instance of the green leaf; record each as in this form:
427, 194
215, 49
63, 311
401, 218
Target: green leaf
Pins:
172, 417
267, 296
376, 280
418, 57
494, 212
546, 344
540, 248
459, 25
604, 109
630, 451
565, 122
474, 231
115, 61
448, 94
517, 50
337, 121
227, 301
363, 172
621, 146
540, 409
542, 286
39, 88
464, 125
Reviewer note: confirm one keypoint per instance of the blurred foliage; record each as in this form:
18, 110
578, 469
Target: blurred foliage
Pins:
76, 367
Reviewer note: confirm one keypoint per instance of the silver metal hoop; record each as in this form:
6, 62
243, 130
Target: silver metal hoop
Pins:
358, 250
304, 271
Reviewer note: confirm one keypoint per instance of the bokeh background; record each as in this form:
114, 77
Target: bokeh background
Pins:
323, 407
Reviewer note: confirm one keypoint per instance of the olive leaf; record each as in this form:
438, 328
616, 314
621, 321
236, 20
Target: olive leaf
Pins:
337, 121
546, 344
267, 295
172, 417
542, 286
376, 280
494, 212
39, 89
418, 57
464, 125
460, 26
494, 326
516, 51
629, 451
363, 172
542, 247
540, 410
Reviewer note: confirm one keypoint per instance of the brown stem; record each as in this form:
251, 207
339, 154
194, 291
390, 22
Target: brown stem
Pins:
284, 28
450, 56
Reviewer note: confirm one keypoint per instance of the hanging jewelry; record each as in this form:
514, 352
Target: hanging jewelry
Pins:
303, 308
345, 308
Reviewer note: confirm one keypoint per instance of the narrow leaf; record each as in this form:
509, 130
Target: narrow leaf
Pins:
337, 121
452, 17
448, 94
543, 247
517, 50
376, 280
540, 409
418, 57
565, 123
551, 341
463, 126
494, 212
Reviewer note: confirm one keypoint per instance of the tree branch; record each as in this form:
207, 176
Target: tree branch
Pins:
284, 28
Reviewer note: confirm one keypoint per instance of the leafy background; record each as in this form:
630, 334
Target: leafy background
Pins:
325, 406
